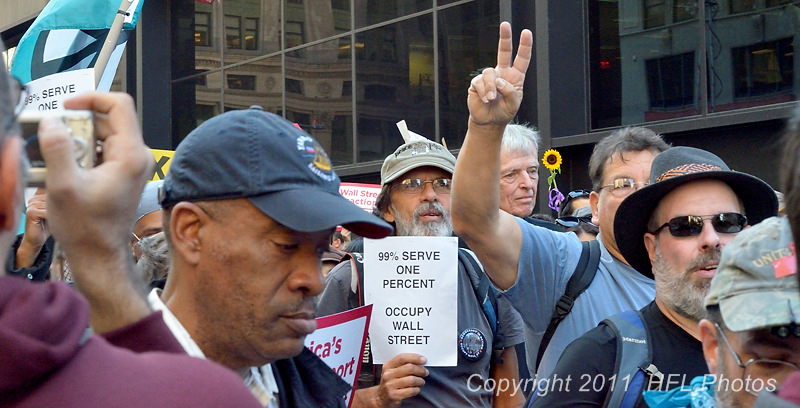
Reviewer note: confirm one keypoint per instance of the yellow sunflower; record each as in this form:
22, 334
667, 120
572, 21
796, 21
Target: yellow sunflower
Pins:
552, 159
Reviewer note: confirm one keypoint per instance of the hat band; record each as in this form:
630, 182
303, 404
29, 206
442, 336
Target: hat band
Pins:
687, 169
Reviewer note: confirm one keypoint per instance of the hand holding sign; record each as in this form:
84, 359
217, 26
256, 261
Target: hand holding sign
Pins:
401, 378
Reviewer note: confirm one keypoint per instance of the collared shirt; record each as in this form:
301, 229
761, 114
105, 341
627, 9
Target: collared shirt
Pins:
259, 380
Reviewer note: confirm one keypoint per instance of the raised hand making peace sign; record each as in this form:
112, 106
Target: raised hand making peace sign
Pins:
495, 94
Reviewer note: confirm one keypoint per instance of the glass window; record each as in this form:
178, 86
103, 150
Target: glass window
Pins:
255, 83
751, 60
670, 81
250, 33
344, 48
294, 37
639, 74
742, 6
654, 13
683, 10
194, 101
202, 29
773, 3
192, 23
244, 82
764, 69
316, 20
294, 86
395, 68
374, 11
233, 31
253, 28
319, 97
341, 4
467, 41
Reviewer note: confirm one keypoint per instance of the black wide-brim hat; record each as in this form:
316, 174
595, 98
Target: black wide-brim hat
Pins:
672, 168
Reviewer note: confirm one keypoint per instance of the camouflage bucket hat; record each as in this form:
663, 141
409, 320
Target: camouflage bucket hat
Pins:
756, 284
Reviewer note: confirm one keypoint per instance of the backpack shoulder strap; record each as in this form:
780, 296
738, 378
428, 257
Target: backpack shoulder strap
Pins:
634, 363
370, 372
486, 296
355, 297
577, 284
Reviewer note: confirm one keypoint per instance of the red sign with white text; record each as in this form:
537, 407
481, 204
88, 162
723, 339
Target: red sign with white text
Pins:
362, 195
339, 341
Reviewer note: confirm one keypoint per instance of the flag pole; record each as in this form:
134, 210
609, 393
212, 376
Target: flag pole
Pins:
111, 42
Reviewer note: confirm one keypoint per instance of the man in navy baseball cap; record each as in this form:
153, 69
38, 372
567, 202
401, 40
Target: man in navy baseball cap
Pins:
250, 202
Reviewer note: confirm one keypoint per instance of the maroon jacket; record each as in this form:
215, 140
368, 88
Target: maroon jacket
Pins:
47, 358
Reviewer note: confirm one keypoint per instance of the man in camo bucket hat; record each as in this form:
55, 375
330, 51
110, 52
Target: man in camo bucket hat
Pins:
751, 338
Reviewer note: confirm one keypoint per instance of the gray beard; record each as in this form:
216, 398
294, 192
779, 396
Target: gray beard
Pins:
677, 290
416, 228
724, 395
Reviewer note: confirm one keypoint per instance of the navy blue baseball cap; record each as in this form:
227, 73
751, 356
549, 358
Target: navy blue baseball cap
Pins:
263, 157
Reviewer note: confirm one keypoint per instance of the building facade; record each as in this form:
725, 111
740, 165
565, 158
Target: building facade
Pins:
715, 74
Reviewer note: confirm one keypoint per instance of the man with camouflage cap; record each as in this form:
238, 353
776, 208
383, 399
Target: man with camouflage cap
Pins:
751, 337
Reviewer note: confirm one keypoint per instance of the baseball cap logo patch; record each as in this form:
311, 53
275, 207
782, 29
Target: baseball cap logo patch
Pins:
320, 163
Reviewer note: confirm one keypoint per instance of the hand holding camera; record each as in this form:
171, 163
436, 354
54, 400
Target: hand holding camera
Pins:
91, 210
79, 125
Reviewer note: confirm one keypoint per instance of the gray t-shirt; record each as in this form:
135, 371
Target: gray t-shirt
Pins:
546, 262
459, 386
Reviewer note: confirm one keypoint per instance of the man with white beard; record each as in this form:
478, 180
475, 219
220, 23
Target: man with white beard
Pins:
415, 198
675, 228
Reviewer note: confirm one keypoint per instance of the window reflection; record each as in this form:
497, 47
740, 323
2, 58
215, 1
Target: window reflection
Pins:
319, 97
467, 41
763, 69
202, 29
369, 12
394, 65
255, 83
645, 57
237, 53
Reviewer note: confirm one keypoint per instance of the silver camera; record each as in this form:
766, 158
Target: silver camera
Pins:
81, 127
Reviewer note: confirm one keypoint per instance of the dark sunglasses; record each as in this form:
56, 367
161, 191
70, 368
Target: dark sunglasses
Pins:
691, 225
570, 221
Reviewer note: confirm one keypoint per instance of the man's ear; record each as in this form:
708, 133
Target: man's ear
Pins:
708, 336
594, 201
388, 214
185, 222
650, 244
10, 199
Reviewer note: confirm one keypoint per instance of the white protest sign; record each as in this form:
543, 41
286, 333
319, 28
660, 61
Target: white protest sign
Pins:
412, 283
362, 195
339, 342
48, 93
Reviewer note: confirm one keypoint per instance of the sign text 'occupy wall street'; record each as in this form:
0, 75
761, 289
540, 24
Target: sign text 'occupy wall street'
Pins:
412, 283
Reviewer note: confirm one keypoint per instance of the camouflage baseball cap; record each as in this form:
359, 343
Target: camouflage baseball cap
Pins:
755, 285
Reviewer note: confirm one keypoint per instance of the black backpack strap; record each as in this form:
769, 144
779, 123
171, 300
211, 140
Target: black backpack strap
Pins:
355, 296
578, 282
370, 372
486, 297
633, 368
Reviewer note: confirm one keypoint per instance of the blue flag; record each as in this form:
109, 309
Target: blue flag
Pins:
68, 35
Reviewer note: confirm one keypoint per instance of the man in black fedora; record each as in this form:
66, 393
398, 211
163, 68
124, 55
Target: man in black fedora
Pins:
675, 229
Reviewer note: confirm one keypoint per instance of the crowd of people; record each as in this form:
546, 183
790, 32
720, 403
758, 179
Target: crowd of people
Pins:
670, 282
